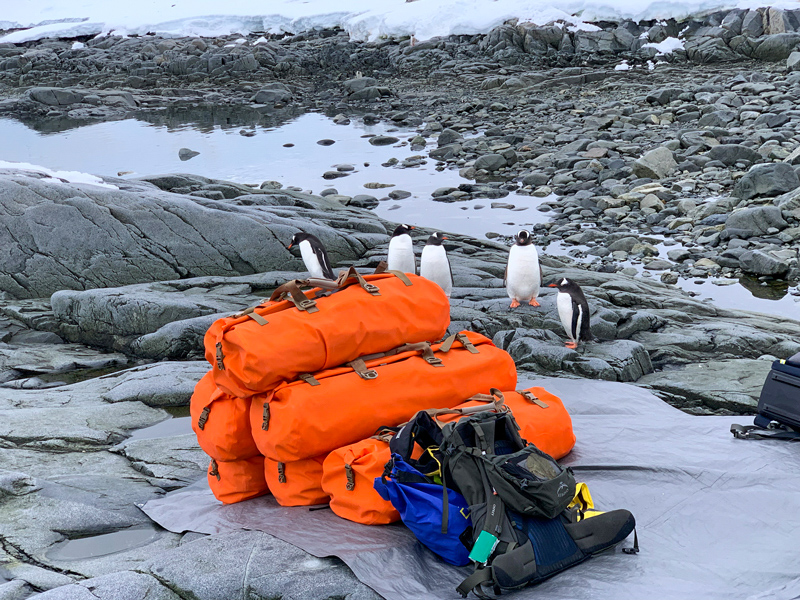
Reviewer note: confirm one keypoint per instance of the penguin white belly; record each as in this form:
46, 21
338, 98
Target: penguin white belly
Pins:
523, 277
434, 266
310, 259
564, 305
401, 254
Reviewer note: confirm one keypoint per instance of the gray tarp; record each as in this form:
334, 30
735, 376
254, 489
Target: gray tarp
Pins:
717, 517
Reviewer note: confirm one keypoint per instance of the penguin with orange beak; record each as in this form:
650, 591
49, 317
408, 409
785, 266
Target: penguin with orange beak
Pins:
573, 309
314, 255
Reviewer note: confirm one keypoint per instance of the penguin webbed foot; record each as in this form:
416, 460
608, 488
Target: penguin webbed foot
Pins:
571, 345
533, 302
514, 303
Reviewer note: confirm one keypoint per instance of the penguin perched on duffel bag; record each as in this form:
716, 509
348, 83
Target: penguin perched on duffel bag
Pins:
433, 263
523, 276
401, 251
314, 255
574, 312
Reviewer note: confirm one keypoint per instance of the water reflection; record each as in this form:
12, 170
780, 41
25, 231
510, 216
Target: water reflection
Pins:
774, 289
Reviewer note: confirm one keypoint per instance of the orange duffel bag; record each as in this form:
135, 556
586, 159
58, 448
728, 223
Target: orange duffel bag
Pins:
221, 422
296, 483
543, 420
541, 416
299, 332
347, 476
237, 480
336, 407
348, 473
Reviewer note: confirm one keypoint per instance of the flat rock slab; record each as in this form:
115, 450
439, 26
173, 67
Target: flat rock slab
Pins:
56, 358
132, 231
730, 385
173, 461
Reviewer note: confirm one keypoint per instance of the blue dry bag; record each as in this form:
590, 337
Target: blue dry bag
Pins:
419, 502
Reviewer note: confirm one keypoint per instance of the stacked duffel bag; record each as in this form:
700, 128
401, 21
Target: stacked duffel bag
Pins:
322, 365
301, 384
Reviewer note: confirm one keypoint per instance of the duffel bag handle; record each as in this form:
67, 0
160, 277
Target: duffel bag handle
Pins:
291, 291
351, 273
462, 338
494, 401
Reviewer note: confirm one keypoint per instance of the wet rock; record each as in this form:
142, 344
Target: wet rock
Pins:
114, 586
186, 154
383, 140
761, 263
767, 180
272, 93
54, 96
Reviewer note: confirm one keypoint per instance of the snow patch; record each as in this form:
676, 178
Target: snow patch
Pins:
623, 66
668, 46
61, 176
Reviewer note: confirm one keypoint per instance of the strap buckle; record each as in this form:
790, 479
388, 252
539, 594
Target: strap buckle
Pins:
201, 421
220, 357
351, 478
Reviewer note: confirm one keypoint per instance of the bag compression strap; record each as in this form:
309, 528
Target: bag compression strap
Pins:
753, 432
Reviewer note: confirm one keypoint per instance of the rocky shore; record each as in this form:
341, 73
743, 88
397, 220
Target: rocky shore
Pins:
106, 292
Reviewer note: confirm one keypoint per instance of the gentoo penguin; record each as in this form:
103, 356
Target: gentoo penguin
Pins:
314, 255
434, 265
401, 251
523, 275
574, 312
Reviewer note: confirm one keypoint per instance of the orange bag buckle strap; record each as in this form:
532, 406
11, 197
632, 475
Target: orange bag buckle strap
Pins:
402, 277
281, 472
291, 291
201, 420
351, 478
359, 367
345, 276
382, 267
308, 378
213, 470
220, 357
430, 357
460, 337
496, 401
265, 417
531, 398
251, 312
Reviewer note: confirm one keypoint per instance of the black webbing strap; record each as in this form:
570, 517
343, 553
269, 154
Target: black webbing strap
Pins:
635, 549
481, 576
753, 432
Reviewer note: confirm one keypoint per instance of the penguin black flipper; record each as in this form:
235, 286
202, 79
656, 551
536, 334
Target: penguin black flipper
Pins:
322, 257
580, 308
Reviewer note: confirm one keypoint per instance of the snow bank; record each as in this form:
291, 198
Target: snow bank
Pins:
68, 176
360, 18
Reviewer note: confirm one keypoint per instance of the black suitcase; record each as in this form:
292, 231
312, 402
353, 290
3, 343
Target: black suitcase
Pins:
778, 405
780, 396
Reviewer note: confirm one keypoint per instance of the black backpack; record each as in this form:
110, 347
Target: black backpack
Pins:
518, 496
778, 415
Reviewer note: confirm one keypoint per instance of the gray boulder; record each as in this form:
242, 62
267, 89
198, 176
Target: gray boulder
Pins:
793, 61
766, 180
272, 94
777, 47
359, 83
730, 154
490, 162
655, 164
55, 96
449, 136
56, 235
756, 220
761, 263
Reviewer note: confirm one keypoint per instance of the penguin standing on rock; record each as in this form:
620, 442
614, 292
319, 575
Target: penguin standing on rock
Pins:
523, 276
574, 312
314, 255
434, 265
401, 251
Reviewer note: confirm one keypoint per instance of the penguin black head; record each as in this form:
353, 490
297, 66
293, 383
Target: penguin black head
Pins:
523, 238
300, 237
402, 229
436, 239
567, 286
